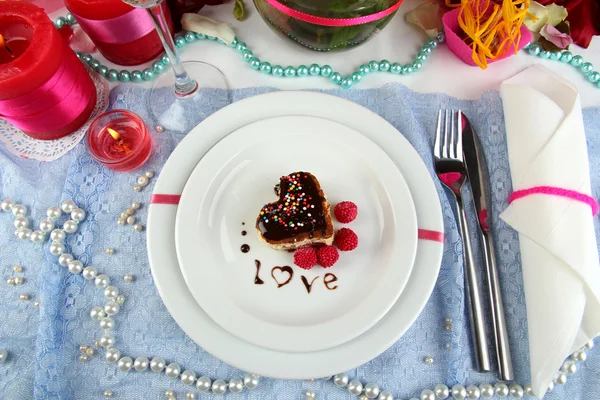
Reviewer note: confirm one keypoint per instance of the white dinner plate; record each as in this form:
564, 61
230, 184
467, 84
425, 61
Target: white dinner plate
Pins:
294, 310
209, 335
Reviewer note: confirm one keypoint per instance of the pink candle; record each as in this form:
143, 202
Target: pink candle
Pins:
120, 140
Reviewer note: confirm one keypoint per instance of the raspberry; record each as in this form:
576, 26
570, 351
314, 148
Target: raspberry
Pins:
346, 239
305, 257
327, 256
345, 211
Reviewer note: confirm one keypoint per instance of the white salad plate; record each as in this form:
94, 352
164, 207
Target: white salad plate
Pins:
292, 309
238, 352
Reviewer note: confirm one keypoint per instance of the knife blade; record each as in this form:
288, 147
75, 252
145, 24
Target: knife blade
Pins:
478, 175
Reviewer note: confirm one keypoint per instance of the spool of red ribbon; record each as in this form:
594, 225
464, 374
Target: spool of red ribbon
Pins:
44, 89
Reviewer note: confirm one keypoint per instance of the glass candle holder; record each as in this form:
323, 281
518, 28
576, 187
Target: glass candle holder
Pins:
119, 140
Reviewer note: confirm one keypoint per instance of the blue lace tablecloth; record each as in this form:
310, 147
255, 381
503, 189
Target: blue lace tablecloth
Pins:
43, 344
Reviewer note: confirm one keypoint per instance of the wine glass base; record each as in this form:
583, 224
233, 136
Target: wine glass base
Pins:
178, 113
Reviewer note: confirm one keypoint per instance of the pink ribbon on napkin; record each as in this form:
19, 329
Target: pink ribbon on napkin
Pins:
323, 21
555, 191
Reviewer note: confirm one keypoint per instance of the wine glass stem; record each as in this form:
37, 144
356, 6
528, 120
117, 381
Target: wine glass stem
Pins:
184, 85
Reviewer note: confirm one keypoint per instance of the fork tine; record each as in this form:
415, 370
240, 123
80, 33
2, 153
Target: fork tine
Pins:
452, 143
445, 136
438, 139
459, 128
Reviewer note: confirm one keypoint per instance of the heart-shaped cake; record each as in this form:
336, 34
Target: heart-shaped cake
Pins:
301, 216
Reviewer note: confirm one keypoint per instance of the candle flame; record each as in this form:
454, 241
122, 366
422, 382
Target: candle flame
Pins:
114, 133
3, 44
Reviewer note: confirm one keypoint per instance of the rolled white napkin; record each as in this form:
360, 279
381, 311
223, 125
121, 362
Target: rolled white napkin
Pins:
561, 272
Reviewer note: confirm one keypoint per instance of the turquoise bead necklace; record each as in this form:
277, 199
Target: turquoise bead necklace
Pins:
325, 71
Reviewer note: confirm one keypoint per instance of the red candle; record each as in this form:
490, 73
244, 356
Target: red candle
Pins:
120, 140
44, 88
123, 34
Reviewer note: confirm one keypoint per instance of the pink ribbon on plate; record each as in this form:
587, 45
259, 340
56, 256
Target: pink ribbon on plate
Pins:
323, 21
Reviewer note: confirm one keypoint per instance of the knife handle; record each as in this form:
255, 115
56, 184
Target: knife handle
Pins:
505, 367
479, 334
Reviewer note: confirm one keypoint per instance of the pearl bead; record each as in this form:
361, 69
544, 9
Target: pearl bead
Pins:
427, 395
67, 206
6, 205
277, 70
21, 222
373, 66
579, 355
65, 259
219, 386
130, 220
421, 58
501, 389
515, 391
355, 387
108, 394
441, 391
371, 390
385, 395
569, 367
473, 392
111, 292
188, 377
136, 204
346, 83
140, 364
136, 76
190, 396
24, 297
58, 235
566, 56
112, 75
107, 323
428, 360
356, 77
112, 355
528, 389
89, 352
236, 385
109, 251
173, 370
364, 70
384, 65
576, 61
314, 70
3, 355
303, 71
77, 214
97, 313
426, 50
550, 387
289, 72
255, 63
75, 266
555, 55
241, 47
589, 344
544, 54
309, 394
169, 393
459, 392
37, 236
57, 248
19, 210
120, 299
10, 281
417, 66
203, 384
487, 390
157, 364
89, 273
340, 380
122, 221
586, 68
70, 226
125, 364
251, 381
142, 180
102, 281
46, 225
561, 378
326, 71
265, 68
111, 308
24, 233
84, 358
396, 68
594, 77
128, 278
148, 74
407, 70
103, 70
19, 280
125, 76
18, 269
336, 78
247, 55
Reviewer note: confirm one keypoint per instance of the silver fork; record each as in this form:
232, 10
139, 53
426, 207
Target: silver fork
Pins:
450, 169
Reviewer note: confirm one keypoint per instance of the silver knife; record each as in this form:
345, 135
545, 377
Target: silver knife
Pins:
478, 176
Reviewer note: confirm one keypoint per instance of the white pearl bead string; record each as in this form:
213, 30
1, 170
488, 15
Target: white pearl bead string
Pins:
203, 384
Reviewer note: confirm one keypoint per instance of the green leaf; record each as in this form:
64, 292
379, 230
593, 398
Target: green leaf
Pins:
238, 10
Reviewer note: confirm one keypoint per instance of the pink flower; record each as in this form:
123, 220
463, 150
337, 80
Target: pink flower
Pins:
551, 34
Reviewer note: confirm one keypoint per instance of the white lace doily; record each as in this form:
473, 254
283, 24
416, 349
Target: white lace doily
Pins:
47, 150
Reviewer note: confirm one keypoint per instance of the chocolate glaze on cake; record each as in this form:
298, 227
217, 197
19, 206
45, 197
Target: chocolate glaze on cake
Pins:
299, 209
